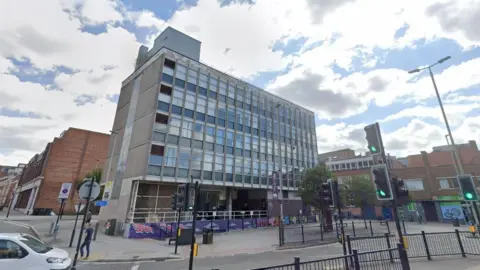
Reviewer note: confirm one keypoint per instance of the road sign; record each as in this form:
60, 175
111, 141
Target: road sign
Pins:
101, 203
85, 189
65, 191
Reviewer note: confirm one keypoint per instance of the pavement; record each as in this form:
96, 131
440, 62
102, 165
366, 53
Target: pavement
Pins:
234, 250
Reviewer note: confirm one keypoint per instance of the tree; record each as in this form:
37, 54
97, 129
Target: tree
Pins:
311, 184
95, 174
358, 191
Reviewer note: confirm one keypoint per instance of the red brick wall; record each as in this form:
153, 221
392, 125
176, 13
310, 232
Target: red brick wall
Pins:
467, 155
71, 157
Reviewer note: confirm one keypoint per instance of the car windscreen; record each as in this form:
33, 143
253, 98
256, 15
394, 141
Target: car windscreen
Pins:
35, 244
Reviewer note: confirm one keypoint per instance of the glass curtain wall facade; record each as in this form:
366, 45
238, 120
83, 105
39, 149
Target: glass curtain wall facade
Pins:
210, 128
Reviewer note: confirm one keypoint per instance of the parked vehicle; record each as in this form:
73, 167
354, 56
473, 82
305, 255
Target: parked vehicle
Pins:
23, 251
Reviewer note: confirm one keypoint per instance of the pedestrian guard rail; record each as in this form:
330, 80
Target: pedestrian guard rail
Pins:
393, 259
422, 245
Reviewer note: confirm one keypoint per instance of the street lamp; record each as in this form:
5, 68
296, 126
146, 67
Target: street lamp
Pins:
280, 196
455, 150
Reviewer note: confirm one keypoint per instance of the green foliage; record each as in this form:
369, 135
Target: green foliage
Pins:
95, 174
358, 191
313, 179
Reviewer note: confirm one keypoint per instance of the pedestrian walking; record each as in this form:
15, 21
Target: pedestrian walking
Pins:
87, 241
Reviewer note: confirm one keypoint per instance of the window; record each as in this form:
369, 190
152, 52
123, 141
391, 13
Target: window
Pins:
190, 102
167, 78
230, 138
238, 165
184, 158
210, 134
171, 156
162, 106
213, 83
198, 131
220, 136
229, 165
196, 160
448, 182
9, 250
238, 140
174, 127
34, 244
208, 162
414, 184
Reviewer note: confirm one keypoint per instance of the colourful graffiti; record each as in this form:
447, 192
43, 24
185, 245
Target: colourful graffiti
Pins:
164, 230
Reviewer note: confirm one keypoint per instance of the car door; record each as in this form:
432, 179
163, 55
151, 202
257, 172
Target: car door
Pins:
13, 256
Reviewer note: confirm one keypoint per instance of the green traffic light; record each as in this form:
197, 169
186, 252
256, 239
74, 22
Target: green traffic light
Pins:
382, 193
373, 149
469, 195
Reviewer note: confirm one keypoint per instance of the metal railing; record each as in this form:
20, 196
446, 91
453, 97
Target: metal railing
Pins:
150, 216
393, 258
423, 245
316, 233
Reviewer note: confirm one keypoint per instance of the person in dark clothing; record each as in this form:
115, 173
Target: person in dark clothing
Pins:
87, 241
89, 216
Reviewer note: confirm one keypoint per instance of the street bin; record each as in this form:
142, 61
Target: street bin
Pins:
456, 222
207, 236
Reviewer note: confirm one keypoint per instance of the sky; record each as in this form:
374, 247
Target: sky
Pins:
62, 63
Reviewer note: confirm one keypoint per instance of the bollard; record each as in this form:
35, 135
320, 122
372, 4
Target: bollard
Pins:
96, 230
371, 229
296, 263
353, 228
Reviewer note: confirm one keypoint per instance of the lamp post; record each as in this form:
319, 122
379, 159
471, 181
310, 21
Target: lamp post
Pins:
455, 149
280, 180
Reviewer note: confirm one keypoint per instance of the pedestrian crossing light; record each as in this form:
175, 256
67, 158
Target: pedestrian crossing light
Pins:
467, 186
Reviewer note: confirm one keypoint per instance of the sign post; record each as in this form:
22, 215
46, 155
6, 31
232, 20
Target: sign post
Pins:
88, 191
62, 195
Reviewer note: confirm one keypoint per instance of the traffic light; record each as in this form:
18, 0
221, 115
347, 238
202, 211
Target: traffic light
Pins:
182, 196
382, 182
173, 203
402, 191
373, 137
467, 186
327, 193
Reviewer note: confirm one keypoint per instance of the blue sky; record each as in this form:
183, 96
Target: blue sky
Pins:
311, 56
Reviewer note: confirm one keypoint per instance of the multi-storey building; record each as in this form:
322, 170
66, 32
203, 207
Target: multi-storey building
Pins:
178, 119
8, 184
67, 159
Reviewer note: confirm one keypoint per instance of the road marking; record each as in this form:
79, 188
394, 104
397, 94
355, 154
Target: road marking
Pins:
19, 224
135, 267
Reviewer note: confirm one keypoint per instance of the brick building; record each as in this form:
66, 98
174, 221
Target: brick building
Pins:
430, 178
68, 158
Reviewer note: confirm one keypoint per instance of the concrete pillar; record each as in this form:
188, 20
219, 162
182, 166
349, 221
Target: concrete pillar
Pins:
229, 202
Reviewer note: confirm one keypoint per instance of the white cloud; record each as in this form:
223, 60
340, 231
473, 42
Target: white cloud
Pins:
238, 38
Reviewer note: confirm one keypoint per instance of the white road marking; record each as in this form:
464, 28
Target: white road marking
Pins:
19, 224
135, 267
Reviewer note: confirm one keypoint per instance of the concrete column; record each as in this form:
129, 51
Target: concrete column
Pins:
31, 200
229, 202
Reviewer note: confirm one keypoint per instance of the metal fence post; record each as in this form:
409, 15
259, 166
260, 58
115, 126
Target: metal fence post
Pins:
321, 231
404, 228
303, 236
403, 257
356, 263
388, 226
349, 245
371, 229
365, 221
460, 243
280, 235
425, 243
387, 237
353, 228
296, 261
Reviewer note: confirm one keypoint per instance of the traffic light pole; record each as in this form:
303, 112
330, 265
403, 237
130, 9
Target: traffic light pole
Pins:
395, 195
177, 234
339, 209
194, 223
